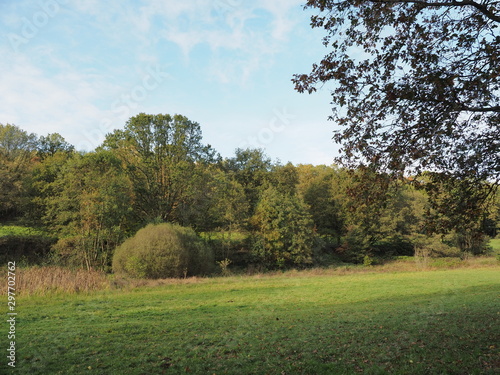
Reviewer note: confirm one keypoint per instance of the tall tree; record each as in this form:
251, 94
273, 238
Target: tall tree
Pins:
251, 168
366, 196
40, 184
53, 143
316, 187
285, 233
89, 209
284, 178
17, 148
416, 82
461, 205
216, 202
160, 153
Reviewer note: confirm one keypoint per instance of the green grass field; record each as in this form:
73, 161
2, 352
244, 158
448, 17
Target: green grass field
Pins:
430, 322
15, 230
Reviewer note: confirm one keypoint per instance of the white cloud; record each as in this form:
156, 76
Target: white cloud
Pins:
74, 75
223, 26
45, 104
284, 20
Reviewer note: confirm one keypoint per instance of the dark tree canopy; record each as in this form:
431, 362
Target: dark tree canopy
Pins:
416, 83
53, 143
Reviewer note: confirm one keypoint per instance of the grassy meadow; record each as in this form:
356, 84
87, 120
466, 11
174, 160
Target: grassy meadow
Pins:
297, 322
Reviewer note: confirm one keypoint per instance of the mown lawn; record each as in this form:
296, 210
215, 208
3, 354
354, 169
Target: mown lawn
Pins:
431, 322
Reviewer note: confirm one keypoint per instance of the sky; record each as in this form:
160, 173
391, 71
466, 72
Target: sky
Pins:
82, 68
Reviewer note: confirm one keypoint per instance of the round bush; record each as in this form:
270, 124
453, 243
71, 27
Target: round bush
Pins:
163, 251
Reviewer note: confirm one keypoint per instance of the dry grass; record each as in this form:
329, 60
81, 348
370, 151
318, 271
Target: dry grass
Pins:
410, 264
51, 279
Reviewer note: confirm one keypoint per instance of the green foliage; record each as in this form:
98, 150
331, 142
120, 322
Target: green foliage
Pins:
216, 201
15, 143
24, 245
317, 188
394, 246
224, 264
459, 204
470, 243
251, 169
52, 144
415, 83
234, 245
254, 212
161, 154
284, 178
163, 251
284, 234
42, 187
89, 208
15, 230
355, 246
416, 88
17, 147
433, 246
368, 219
366, 199
368, 261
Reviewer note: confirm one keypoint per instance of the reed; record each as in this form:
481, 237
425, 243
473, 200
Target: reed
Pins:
53, 279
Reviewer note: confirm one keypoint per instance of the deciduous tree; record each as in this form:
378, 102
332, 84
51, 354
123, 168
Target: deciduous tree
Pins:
284, 230
90, 209
416, 83
160, 153
17, 148
251, 168
53, 143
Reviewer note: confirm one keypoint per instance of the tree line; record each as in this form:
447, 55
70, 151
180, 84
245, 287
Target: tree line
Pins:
250, 210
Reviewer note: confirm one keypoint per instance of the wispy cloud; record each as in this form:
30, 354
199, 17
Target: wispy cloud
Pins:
83, 70
223, 25
44, 103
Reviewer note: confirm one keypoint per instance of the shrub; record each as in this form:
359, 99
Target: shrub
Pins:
233, 245
367, 261
224, 264
163, 251
394, 246
471, 243
433, 246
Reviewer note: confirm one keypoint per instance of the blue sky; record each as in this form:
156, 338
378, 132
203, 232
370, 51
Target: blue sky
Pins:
81, 68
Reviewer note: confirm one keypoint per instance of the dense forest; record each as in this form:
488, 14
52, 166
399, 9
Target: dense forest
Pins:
67, 207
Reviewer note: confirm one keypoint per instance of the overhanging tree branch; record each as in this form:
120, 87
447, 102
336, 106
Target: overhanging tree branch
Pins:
495, 109
481, 7
425, 74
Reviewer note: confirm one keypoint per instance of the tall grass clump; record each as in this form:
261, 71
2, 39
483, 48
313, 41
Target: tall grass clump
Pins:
53, 279
163, 251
